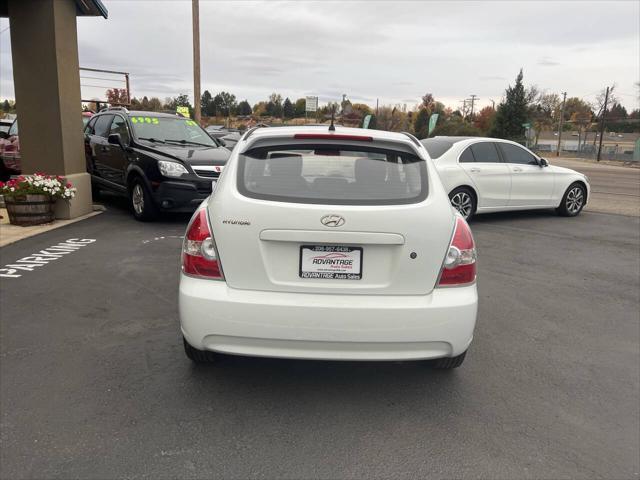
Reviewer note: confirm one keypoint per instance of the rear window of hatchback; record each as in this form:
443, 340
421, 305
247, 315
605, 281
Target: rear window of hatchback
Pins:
333, 175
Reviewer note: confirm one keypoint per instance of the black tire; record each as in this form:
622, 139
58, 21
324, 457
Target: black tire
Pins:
573, 200
464, 200
141, 202
198, 356
95, 192
449, 362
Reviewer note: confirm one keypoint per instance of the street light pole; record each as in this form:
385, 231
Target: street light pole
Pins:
195, 11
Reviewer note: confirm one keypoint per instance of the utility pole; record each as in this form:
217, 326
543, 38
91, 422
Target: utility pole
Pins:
493, 103
464, 107
377, 107
195, 12
473, 99
561, 122
604, 114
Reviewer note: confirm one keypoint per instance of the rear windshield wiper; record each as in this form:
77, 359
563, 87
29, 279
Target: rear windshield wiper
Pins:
151, 139
185, 142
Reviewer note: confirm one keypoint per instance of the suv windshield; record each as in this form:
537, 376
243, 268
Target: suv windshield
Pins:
174, 130
330, 174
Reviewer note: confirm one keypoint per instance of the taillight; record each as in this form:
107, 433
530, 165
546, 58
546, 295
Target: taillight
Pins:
460, 263
199, 254
332, 136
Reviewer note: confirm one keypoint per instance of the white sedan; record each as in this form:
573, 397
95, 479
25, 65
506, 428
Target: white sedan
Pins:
483, 175
336, 245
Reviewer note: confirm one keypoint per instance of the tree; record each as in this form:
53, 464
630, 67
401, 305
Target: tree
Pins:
617, 112
484, 119
455, 125
421, 123
274, 105
511, 113
206, 104
182, 100
260, 109
300, 107
145, 103
154, 104
225, 104
362, 109
244, 108
287, 108
6, 106
117, 96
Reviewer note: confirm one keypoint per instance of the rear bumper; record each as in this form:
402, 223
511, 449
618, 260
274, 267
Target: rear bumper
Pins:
332, 327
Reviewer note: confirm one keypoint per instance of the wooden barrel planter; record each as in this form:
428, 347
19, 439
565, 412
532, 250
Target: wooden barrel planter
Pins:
30, 209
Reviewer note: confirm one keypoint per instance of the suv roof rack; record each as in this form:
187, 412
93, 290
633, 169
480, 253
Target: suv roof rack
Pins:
120, 108
251, 130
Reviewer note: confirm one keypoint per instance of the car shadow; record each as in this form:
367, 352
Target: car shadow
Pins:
516, 215
120, 204
344, 379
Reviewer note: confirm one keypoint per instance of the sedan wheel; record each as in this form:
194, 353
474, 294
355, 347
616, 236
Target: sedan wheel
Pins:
573, 201
463, 201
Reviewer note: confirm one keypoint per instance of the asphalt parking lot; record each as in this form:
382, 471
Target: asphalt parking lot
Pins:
94, 382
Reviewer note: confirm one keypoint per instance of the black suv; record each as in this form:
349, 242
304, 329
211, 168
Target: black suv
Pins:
160, 161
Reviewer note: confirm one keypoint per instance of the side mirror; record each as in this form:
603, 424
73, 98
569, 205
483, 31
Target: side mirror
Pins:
4, 135
543, 163
114, 139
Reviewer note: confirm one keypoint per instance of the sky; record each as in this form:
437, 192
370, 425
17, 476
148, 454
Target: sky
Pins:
394, 51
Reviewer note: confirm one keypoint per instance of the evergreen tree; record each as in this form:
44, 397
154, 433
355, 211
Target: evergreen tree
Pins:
6, 106
511, 113
288, 109
244, 108
301, 105
206, 104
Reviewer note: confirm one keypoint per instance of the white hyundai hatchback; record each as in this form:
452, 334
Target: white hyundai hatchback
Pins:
483, 175
337, 245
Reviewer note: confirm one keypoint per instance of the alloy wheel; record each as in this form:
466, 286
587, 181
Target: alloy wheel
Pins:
137, 199
575, 199
462, 202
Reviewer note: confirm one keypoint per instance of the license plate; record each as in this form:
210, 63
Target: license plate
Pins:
331, 262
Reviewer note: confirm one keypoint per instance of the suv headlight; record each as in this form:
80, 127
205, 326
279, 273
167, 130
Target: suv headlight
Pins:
171, 169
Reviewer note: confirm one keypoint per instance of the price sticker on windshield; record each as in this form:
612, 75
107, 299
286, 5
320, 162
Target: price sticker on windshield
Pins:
147, 120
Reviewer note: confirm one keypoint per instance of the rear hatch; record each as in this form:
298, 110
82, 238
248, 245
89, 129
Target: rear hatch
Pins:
354, 217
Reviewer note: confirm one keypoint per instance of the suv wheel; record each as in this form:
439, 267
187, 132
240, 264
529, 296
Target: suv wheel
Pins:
142, 204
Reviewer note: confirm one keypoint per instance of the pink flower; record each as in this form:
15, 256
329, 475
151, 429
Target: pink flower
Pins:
69, 185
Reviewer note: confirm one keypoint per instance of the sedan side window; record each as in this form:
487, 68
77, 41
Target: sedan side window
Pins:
102, 125
515, 154
119, 125
467, 156
485, 152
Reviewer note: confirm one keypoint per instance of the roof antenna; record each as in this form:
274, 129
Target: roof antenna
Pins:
332, 127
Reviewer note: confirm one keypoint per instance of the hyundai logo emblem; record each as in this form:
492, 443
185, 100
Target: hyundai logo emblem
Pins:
332, 221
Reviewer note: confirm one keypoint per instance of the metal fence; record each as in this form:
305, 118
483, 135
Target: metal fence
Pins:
619, 152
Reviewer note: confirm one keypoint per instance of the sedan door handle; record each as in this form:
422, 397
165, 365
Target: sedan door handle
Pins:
474, 170
517, 169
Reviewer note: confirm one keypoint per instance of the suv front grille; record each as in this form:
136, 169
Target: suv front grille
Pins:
206, 173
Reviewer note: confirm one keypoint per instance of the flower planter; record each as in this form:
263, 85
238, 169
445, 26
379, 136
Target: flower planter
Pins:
30, 209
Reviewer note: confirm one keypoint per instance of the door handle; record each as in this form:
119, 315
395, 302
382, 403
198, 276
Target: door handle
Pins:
517, 169
474, 170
